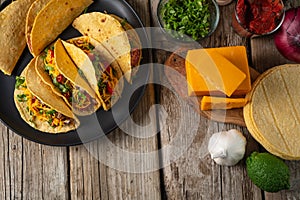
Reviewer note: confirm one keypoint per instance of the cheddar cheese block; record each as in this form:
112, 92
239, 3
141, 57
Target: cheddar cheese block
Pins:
237, 56
211, 103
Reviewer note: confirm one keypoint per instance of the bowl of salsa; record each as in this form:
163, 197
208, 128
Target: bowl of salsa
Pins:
259, 17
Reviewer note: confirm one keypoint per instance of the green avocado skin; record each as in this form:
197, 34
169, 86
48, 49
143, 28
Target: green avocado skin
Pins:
268, 172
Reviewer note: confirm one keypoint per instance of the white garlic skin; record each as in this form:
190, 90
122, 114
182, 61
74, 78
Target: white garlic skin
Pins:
227, 147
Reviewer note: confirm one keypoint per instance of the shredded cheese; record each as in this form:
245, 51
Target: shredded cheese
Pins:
40, 111
107, 76
49, 62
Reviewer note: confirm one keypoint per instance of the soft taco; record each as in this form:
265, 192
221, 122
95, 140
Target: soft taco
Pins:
12, 41
109, 32
46, 19
57, 70
39, 106
98, 66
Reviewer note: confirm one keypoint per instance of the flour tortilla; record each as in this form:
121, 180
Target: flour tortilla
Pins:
109, 32
273, 112
12, 40
44, 93
51, 20
82, 61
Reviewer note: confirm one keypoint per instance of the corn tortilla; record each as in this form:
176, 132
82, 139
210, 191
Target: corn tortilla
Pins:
68, 69
134, 40
44, 93
33, 11
109, 32
12, 40
272, 114
82, 61
55, 17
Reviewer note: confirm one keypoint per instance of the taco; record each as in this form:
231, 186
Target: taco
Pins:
12, 23
39, 106
57, 70
33, 11
47, 19
99, 67
135, 43
110, 33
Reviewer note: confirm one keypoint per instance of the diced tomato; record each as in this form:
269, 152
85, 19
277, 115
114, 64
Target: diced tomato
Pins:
60, 78
67, 95
51, 53
33, 99
91, 56
109, 89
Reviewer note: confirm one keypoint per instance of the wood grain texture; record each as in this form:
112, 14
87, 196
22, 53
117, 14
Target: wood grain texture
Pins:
30, 170
194, 175
101, 171
98, 171
262, 48
44, 171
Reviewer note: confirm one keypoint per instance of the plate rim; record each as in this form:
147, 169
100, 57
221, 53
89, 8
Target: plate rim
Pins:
79, 141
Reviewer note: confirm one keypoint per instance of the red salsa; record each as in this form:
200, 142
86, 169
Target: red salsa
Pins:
259, 16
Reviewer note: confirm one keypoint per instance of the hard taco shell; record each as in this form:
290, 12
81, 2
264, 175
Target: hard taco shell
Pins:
12, 41
51, 20
32, 13
82, 61
44, 93
135, 44
68, 69
110, 33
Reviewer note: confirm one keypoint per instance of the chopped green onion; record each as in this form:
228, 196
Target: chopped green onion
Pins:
55, 82
190, 17
48, 68
51, 112
19, 81
22, 97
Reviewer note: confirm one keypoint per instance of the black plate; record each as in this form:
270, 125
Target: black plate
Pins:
94, 126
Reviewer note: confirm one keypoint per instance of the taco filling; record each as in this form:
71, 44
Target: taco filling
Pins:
134, 41
38, 110
105, 74
78, 98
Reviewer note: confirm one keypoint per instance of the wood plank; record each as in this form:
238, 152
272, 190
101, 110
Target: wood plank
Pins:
100, 171
97, 169
3, 171
45, 171
261, 48
11, 166
194, 175
31, 170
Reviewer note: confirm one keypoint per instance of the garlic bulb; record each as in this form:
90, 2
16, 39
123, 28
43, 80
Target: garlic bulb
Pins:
227, 147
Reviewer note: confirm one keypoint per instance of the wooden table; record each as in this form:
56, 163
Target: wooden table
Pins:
33, 171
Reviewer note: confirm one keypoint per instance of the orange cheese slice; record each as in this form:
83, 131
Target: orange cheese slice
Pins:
199, 86
210, 103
